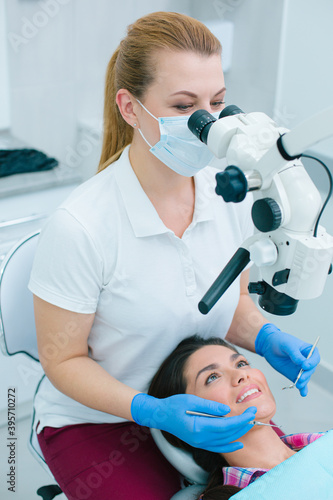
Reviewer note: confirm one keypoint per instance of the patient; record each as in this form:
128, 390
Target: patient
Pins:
213, 369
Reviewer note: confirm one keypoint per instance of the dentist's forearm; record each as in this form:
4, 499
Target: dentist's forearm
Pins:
82, 379
246, 323
62, 338
247, 320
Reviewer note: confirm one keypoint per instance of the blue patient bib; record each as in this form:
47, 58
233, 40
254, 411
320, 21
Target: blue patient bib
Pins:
307, 475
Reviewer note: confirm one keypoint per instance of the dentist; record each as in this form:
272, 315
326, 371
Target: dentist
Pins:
121, 266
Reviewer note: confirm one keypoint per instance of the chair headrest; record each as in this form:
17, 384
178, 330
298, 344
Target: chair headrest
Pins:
180, 459
17, 322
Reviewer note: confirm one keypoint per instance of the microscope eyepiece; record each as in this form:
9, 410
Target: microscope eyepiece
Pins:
199, 124
230, 110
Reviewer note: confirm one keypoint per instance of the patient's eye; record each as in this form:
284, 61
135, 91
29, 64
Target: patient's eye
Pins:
242, 362
211, 378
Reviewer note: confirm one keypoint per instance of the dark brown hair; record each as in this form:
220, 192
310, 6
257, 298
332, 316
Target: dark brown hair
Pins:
169, 380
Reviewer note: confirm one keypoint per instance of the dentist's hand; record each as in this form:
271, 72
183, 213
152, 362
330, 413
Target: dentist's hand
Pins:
287, 354
212, 434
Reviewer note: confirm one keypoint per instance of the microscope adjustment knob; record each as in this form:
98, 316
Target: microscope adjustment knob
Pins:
258, 287
266, 215
231, 184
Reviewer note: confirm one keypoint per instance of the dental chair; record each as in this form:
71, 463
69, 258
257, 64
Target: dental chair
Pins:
17, 326
193, 474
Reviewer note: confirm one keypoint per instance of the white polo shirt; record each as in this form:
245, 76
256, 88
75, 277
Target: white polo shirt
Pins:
106, 251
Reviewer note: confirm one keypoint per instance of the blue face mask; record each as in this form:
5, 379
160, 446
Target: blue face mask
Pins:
178, 148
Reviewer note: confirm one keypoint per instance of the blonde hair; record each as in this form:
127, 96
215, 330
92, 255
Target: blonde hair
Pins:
131, 67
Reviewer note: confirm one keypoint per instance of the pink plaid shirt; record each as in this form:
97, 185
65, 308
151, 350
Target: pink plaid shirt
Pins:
241, 477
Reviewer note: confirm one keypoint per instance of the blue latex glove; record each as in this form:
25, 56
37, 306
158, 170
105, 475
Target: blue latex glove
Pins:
212, 434
287, 354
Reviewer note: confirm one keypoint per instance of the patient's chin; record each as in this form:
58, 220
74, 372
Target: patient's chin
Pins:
266, 412
266, 409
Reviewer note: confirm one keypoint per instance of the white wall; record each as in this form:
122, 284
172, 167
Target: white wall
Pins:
305, 66
251, 81
4, 76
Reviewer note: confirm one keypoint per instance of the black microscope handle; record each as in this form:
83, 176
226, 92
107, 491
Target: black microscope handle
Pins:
235, 266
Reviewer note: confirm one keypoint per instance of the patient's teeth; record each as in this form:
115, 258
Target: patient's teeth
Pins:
248, 393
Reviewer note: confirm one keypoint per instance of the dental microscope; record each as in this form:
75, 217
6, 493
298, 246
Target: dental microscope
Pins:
291, 249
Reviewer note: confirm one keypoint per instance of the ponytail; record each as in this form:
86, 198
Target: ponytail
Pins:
117, 133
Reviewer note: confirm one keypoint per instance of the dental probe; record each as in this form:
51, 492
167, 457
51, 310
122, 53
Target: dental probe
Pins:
200, 414
301, 371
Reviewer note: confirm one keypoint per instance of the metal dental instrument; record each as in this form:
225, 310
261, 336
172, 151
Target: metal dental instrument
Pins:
301, 371
200, 414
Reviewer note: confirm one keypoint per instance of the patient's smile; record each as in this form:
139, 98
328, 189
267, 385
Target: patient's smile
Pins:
248, 393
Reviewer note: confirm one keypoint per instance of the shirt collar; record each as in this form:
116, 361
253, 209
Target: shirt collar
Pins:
204, 197
242, 476
141, 212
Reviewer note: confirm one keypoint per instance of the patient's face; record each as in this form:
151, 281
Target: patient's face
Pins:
220, 374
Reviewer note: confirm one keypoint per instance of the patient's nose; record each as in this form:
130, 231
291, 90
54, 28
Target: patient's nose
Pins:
238, 378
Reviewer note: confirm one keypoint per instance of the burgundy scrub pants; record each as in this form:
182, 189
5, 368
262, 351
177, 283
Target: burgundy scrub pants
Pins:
108, 462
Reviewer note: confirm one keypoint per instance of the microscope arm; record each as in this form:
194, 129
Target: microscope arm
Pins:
294, 143
309, 132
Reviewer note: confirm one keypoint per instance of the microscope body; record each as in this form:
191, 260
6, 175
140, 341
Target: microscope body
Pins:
293, 260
